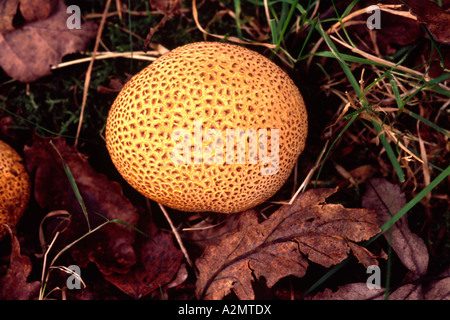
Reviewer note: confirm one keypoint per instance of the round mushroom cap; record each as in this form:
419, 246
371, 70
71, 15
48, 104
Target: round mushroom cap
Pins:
207, 127
14, 187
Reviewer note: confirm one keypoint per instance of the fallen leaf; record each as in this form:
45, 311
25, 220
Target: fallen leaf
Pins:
158, 263
409, 291
27, 53
32, 10
364, 256
164, 6
114, 86
351, 291
110, 248
360, 291
387, 199
207, 232
14, 285
8, 10
439, 289
437, 19
278, 246
395, 32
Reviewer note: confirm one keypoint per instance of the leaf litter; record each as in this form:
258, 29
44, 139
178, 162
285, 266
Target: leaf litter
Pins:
136, 264
246, 249
28, 52
278, 246
387, 199
14, 285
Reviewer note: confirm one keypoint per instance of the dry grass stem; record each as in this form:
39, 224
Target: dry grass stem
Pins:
87, 79
138, 55
177, 236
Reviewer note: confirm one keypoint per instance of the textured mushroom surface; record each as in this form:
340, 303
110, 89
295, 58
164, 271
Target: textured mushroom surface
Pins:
209, 88
14, 187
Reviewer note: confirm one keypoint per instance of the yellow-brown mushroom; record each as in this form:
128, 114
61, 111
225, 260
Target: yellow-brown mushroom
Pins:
14, 187
208, 127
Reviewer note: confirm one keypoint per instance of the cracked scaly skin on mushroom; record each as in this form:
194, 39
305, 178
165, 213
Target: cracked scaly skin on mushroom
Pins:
167, 131
14, 187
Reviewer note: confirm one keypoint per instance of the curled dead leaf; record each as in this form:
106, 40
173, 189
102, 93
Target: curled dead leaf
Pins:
278, 246
14, 285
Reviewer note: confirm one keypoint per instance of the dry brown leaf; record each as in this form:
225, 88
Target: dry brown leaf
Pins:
439, 289
8, 10
157, 264
351, 291
206, 232
14, 285
110, 248
360, 291
437, 19
387, 199
27, 53
277, 247
165, 6
32, 10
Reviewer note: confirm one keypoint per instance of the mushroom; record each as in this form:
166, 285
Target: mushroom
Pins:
14, 187
207, 127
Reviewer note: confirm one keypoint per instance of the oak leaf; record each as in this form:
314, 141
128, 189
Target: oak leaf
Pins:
278, 246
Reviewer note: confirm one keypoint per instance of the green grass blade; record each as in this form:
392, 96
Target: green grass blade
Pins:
237, 17
351, 78
325, 277
73, 184
390, 152
352, 119
273, 30
433, 84
443, 175
396, 91
311, 30
397, 216
286, 24
123, 223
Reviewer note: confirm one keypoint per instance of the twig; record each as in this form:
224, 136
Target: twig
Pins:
177, 236
87, 79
